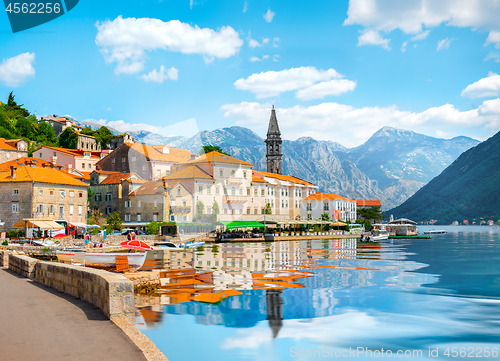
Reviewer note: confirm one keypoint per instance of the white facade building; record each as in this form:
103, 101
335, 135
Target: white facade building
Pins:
337, 207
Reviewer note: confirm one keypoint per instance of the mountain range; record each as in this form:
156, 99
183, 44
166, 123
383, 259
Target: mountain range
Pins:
391, 166
465, 190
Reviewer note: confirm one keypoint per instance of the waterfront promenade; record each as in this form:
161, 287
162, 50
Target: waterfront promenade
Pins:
39, 323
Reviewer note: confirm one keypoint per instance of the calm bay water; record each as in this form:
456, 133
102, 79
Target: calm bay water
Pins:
279, 301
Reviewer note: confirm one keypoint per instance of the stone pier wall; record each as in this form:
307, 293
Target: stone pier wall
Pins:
4, 258
112, 293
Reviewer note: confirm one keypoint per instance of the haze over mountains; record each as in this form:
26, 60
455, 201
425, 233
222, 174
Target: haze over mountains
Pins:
466, 190
391, 166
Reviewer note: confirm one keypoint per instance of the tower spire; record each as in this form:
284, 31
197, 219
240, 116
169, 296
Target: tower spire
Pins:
273, 145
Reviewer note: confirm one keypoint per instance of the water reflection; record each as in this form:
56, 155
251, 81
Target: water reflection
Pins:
257, 300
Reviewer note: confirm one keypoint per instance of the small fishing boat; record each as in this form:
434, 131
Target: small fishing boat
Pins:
105, 261
167, 244
435, 231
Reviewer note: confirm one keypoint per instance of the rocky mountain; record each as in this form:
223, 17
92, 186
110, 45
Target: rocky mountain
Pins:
391, 166
466, 189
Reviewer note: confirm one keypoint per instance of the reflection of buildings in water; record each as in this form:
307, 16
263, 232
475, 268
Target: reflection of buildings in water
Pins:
274, 303
148, 317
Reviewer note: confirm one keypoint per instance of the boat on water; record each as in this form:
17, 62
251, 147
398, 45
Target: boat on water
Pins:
435, 231
192, 244
107, 261
167, 244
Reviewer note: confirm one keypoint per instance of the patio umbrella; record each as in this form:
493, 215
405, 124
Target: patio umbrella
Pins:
137, 245
338, 224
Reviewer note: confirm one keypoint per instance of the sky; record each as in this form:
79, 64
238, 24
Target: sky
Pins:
334, 70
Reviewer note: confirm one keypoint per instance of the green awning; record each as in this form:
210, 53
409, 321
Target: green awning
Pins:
242, 224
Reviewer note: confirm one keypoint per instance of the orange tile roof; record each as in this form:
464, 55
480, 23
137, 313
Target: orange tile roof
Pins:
287, 178
85, 175
175, 155
368, 203
216, 157
74, 152
190, 172
256, 179
41, 175
33, 162
5, 144
318, 196
115, 178
105, 172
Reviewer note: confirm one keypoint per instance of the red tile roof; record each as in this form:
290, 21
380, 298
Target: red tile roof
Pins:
40, 175
115, 178
153, 153
368, 203
190, 172
287, 178
7, 144
216, 157
318, 196
75, 152
153, 187
25, 161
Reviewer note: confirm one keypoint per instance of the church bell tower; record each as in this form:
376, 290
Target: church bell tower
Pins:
273, 145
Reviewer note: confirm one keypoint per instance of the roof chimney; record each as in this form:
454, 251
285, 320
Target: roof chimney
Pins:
13, 171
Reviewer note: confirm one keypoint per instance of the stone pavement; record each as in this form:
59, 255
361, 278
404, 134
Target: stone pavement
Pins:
39, 323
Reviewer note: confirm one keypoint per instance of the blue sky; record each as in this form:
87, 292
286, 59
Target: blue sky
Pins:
335, 70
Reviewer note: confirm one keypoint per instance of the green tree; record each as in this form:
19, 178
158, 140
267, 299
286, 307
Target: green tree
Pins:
103, 135
68, 138
45, 134
6, 124
114, 221
88, 131
325, 217
268, 209
153, 227
17, 110
372, 213
26, 128
211, 148
200, 207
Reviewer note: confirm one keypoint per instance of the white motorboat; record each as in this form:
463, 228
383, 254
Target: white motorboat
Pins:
101, 260
192, 244
435, 231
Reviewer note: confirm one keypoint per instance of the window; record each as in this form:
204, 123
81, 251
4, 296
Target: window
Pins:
90, 166
71, 210
51, 209
139, 204
255, 191
109, 210
123, 159
79, 210
326, 206
127, 218
15, 191
179, 191
255, 211
248, 210
71, 194
221, 173
144, 168
309, 217
209, 190
184, 203
200, 189
233, 173
241, 191
225, 190
244, 174
217, 190
138, 217
173, 203
309, 207
54, 155
248, 191
98, 197
108, 197
155, 217
41, 155
127, 203
233, 191
262, 211
262, 193
7, 155
156, 203
184, 218
83, 165
113, 161
62, 194
209, 210
80, 195
15, 207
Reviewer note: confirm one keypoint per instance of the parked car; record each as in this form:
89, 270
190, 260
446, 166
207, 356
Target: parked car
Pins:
115, 233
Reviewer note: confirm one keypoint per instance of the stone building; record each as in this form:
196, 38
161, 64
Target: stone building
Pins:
147, 161
337, 207
41, 193
273, 146
60, 123
118, 140
12, 148
88, 143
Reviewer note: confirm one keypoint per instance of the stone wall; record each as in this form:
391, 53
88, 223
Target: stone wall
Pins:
4, 258
112, 293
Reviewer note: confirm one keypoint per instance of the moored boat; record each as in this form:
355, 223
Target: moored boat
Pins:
102, 260
435, 231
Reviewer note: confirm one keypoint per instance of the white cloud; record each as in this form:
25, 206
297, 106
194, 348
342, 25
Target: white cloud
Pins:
352, 126
252, 43
268, 17
412, 16
373, 37
245, 6
126, 41
403, 47
14, 71
493, 37
186, 128
276, 57
494, 56
485, 87
420, 36
308, 80
253, 59
162, 75
275, 42
443, 44
190, 4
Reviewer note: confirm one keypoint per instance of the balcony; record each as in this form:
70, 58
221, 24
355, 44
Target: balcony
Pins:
234, 180
180, 209
235, 199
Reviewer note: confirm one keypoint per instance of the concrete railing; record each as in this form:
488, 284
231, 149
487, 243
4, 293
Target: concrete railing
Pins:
112, 293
